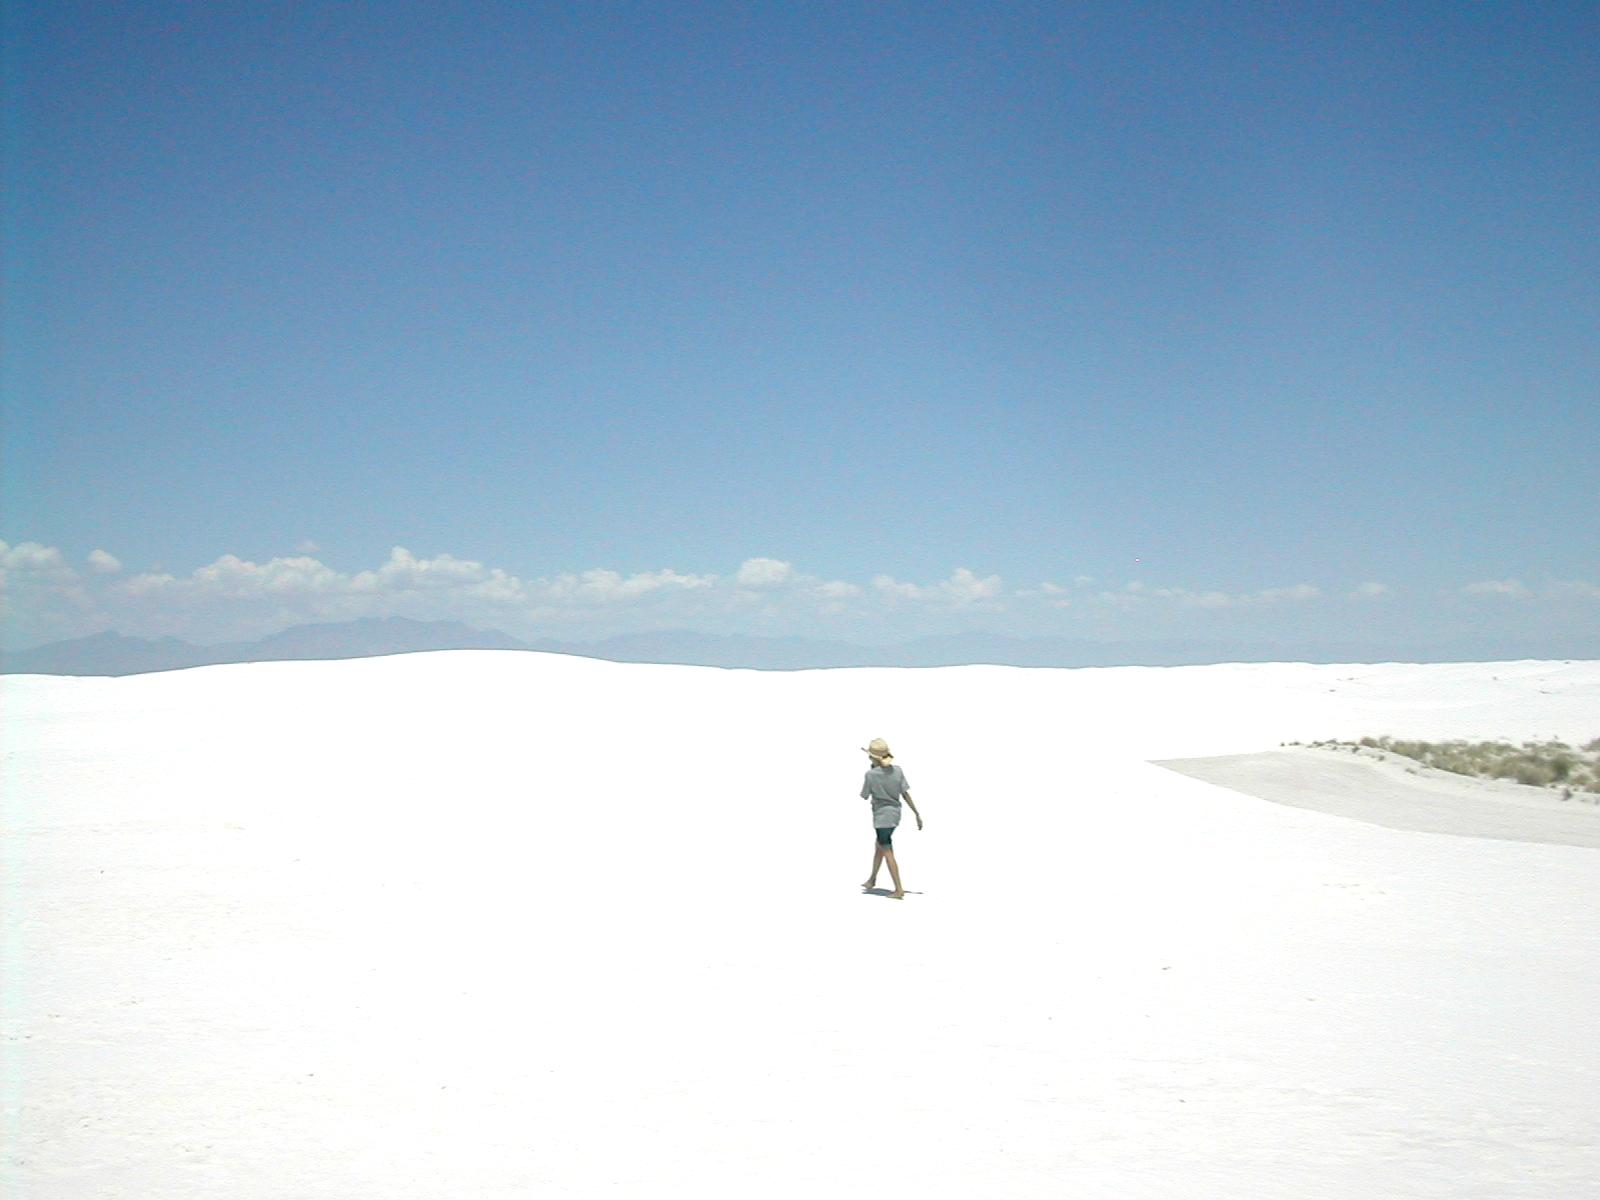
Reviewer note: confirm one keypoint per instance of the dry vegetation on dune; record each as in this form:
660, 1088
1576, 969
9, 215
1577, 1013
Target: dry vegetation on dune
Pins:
1573, 771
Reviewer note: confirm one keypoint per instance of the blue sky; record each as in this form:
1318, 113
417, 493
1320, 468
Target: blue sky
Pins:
1168, 307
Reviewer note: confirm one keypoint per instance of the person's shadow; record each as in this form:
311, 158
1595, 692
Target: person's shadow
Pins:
885, 893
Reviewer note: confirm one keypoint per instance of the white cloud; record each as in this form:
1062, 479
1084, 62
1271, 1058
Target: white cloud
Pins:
763, 573
233, 578
41, 595
1300, 591
964, 587
32, 558
403, 577
233, 597
1511, 588
837, 589
1136, 592
406, 572
1187, 598
608, 587
1576, 587
1057, 596
1054, 595
146, 584
307, 547
499, 587
889, 586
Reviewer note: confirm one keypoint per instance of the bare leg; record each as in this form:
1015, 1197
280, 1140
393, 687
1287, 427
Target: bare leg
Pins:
894, 874
877, 861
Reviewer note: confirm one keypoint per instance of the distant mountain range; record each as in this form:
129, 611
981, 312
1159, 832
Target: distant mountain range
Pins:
114, 654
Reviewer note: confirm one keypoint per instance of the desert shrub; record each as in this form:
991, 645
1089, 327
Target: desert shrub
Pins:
1525, 769
1541, 763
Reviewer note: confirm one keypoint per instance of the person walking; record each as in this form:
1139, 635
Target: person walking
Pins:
885, 786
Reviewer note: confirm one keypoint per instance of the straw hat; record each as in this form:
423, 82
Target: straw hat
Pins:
879, 750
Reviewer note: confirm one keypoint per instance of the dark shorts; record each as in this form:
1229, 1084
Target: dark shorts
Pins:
883, 836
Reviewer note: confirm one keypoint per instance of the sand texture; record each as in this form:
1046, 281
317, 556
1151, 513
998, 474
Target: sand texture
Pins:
1385, 791
493, 924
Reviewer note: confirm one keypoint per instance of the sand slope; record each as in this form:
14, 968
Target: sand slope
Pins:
1391, 794
487, 924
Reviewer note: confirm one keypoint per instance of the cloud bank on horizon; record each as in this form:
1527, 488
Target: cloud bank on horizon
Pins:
46, 596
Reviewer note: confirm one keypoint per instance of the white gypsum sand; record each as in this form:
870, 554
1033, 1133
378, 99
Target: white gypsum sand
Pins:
489, 924
1387, 790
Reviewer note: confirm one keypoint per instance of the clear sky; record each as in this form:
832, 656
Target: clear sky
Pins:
1195, 313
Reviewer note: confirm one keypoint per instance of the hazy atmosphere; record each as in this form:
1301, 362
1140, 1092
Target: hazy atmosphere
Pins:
1271, 327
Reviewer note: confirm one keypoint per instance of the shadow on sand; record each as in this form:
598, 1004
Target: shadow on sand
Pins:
885, 893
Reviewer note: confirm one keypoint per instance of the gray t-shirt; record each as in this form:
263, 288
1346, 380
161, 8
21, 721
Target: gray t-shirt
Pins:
884, 786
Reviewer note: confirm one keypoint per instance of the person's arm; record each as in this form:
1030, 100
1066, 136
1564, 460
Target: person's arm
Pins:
906, 796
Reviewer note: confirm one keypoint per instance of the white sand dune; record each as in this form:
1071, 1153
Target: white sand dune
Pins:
483, 924
1384, 791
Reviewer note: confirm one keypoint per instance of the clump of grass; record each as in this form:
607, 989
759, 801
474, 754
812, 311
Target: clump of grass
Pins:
1548, 764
